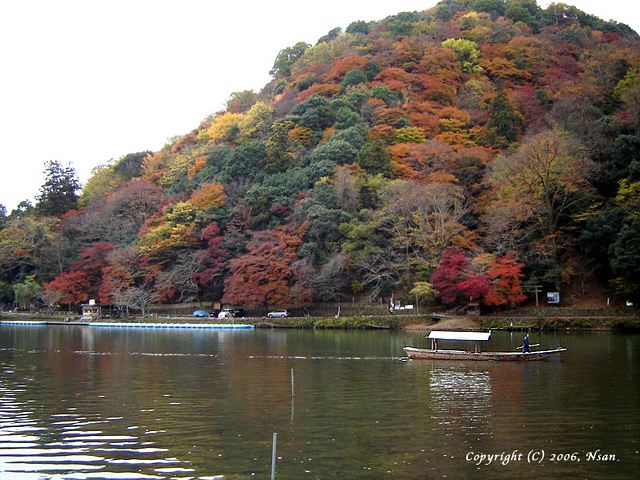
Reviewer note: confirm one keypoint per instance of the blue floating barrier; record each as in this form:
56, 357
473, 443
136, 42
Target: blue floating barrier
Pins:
230, 326
23, 322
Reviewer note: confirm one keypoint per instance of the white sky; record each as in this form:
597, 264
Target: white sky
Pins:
86, 81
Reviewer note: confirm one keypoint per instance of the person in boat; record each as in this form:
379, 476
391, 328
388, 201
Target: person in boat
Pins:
526, 347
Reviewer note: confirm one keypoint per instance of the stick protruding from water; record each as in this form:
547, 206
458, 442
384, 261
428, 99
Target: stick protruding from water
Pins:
273, 456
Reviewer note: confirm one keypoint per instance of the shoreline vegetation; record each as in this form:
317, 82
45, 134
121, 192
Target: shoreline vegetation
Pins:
544, 321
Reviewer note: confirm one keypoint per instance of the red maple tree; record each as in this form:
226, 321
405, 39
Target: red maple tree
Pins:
475, 286
449, 273
265, 275
210, 258
83, 279
68, 287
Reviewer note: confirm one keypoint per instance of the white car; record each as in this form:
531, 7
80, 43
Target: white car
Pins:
226, 313
278, 314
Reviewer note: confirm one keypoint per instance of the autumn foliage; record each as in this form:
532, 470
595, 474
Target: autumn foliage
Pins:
209, 195
476, 145
495, 282
84, 278
266, 274
505, 275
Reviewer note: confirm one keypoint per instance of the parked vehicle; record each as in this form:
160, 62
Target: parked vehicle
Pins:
278, 314
231, 313
200, 313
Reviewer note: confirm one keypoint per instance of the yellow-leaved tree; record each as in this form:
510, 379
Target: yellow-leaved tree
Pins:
168, 232
223, 127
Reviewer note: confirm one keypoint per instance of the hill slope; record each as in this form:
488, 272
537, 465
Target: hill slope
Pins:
470, 145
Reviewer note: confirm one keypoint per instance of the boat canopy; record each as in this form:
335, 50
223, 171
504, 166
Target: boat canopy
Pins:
459, 336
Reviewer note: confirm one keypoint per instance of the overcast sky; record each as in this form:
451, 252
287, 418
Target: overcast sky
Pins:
87, 81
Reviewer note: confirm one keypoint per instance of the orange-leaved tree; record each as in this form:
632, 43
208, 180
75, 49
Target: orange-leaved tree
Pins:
506, 281
266, 274
209, 195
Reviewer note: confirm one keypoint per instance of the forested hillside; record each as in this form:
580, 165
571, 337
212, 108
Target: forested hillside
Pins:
470, 147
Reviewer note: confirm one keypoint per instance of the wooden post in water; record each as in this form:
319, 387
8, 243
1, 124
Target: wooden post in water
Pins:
273, 456
293, 393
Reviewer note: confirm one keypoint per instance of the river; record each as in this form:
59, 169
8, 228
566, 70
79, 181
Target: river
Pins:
85, 403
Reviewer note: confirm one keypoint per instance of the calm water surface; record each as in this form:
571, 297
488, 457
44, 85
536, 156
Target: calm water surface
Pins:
85, 403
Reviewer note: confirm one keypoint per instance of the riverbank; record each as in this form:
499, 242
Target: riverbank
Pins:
363, 322
421, 323
552, 323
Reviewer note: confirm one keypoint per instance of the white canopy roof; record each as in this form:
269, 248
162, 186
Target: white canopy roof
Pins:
461, 336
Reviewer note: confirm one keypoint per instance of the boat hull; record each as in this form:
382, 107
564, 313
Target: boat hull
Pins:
425, 354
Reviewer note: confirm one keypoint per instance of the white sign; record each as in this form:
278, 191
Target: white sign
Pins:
553, 298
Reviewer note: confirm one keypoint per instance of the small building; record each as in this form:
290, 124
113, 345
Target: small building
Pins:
90, 311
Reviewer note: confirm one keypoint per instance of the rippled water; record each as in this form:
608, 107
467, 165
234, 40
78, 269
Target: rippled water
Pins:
81, 403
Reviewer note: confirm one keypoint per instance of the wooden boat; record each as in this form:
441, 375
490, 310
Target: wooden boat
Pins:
444, 354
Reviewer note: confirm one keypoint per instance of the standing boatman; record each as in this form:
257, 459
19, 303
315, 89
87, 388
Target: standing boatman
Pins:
526, 348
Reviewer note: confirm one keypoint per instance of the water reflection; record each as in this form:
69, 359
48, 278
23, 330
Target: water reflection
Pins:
26, 446
461, 399
79, 403
68, 444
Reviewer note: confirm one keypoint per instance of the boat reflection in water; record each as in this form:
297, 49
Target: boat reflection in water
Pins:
461, 399
474, 407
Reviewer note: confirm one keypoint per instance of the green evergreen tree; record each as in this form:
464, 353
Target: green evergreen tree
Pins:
504, 118
374, 158
3, 216
7, 297
287, 57
58, 193
333, 33
358, 27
